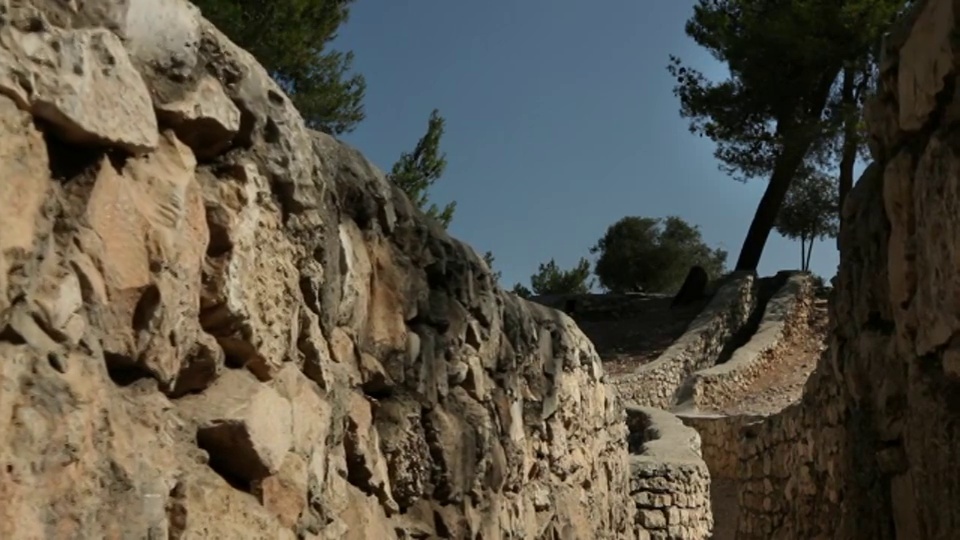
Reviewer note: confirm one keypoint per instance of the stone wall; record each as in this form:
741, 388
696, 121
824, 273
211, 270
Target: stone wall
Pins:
721, 439
670, 483
790, 478
870, 451
655, 384
785, 316
215, 323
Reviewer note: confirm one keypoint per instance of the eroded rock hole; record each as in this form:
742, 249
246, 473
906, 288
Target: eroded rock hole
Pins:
56, 362
123, 370
67, 161
235, 466
146, 308
220, 243
244, 136
271, 132
9, 335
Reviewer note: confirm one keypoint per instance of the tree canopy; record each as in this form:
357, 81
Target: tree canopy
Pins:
810, 211
784, 59
652, 254
551, 279
415, 172
291, 39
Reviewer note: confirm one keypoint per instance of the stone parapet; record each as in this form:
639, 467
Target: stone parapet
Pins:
670, 482
721, 440
785, 317
655, 384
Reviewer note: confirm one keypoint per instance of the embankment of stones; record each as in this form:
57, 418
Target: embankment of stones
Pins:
216, 323
871, 449
784, 318
670, 483
655, 384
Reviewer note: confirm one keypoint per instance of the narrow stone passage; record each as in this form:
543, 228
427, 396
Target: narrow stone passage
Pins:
726, 508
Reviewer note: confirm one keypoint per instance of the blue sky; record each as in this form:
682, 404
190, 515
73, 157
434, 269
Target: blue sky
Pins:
560, 121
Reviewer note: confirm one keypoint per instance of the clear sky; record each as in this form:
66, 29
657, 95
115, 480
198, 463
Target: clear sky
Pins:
560, 121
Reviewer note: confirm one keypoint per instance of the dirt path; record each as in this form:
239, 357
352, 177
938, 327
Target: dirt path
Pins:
783, 384
726, 508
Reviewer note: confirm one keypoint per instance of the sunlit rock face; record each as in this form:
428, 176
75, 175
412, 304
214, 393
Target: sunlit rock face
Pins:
215, 323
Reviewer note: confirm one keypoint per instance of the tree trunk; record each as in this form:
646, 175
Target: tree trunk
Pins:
851, 137
803, 252
783, 172
797, 137
809, 253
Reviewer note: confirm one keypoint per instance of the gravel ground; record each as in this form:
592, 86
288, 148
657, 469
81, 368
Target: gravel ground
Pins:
723, 494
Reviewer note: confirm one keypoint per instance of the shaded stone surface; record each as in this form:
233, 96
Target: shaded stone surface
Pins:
869, 451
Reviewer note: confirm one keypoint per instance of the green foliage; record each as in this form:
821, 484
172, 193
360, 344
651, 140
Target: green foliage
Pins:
784, 58
780, 103
551, 279
488, 258
416, 171
652, 254
810, 211
290, 39
521, 291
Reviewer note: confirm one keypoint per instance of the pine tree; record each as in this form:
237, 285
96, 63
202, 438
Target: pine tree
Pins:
551, 279
810, 211
778, 107
416, 171
291, 39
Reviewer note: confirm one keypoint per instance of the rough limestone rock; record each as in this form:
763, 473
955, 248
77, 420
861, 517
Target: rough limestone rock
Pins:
871, 450
215, 323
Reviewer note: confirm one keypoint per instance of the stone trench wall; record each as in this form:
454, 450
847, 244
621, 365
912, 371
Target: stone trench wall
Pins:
785, 316
215, 323
712, 389
870, 451
790, 472
655, 384
670, 482
721, 439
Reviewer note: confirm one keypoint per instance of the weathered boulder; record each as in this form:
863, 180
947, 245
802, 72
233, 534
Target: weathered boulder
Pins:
215, 323
69, 77
245, 426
